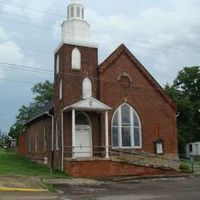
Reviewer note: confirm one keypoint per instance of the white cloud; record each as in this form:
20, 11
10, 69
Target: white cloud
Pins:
3, 35
162, 36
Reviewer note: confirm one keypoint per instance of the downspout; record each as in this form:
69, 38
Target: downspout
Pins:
52, 137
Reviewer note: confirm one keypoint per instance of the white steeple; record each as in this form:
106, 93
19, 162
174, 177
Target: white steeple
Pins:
75, 28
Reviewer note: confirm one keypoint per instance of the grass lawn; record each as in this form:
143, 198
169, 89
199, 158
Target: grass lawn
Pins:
15, 165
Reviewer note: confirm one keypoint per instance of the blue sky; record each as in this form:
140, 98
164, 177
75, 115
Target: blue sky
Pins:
163, 34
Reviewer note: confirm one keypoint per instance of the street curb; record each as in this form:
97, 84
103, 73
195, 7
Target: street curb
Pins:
7, 189
137, 178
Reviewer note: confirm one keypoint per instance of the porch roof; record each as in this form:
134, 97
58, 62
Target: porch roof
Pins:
90, 104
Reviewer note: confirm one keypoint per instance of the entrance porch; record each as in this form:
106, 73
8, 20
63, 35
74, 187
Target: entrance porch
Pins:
86, 130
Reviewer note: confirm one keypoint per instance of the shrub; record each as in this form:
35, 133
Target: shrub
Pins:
185, 168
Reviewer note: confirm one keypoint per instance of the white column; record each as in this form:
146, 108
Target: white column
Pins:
73, 134
106, 135
62, 132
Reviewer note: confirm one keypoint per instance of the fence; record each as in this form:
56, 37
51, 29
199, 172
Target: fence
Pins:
191, 164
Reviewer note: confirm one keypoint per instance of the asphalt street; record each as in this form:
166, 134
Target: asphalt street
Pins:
165, 189
150, 189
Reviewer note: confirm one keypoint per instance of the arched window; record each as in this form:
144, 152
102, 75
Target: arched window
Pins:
87, 88
82, 119
76, 59
126, 128
57, 64
60, 90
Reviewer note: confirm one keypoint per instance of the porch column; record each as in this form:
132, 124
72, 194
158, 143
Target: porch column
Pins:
73, 134
106, 134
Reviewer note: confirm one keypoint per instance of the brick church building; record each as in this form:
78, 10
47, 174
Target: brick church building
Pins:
106, 119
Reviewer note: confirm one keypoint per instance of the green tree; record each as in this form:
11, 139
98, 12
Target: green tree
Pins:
43, 93
186, 92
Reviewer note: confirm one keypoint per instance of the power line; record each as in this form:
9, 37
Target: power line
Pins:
111, 27
26, 67
28, 49
17, 81
36, 10
113, 41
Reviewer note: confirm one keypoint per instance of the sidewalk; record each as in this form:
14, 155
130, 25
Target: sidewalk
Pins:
21, 184
100, 181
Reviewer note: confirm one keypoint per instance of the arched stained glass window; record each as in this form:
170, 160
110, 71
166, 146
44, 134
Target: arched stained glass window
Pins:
126, 128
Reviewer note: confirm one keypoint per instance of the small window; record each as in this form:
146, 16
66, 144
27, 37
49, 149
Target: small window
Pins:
57, 64
81, 119
45, 136
57, 134
76, 59
60, 90
190, 148
87, 88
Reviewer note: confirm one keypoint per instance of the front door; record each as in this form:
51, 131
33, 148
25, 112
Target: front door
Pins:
83, 141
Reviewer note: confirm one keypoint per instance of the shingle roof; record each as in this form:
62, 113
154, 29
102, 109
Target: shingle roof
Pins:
43, 111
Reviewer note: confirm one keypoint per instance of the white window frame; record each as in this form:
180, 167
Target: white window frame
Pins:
57, 135
45, 137
118, 112
86, 88
57, 64
60, 90
76, 59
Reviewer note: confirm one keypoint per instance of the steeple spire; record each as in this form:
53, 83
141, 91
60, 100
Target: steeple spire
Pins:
75, 10
75, 28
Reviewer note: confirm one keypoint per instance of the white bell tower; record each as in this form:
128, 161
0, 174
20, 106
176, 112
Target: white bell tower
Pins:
75, 29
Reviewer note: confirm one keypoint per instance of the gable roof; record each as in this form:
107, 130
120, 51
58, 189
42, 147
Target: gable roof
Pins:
90, 104
43, 111
122, 49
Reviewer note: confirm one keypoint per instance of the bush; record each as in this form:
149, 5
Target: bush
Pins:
185, 168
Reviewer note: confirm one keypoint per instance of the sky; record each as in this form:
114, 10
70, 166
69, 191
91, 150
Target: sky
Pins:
163, 34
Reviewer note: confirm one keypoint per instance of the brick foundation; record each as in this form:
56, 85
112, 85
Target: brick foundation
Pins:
108, 168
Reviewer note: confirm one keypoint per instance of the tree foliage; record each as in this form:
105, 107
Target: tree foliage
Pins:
43, 93
186, 92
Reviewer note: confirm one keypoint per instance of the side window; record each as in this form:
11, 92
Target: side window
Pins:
190, 148
57, 64
60, 90
76, 59
87, 88
57, 134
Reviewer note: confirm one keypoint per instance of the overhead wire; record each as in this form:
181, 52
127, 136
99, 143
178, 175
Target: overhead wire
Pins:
159, 48
111, 27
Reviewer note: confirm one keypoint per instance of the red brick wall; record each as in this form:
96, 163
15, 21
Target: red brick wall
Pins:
72, 79
151, 107
72, 88
108, 168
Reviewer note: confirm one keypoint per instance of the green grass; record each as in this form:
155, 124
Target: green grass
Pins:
186, 166
13, 164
